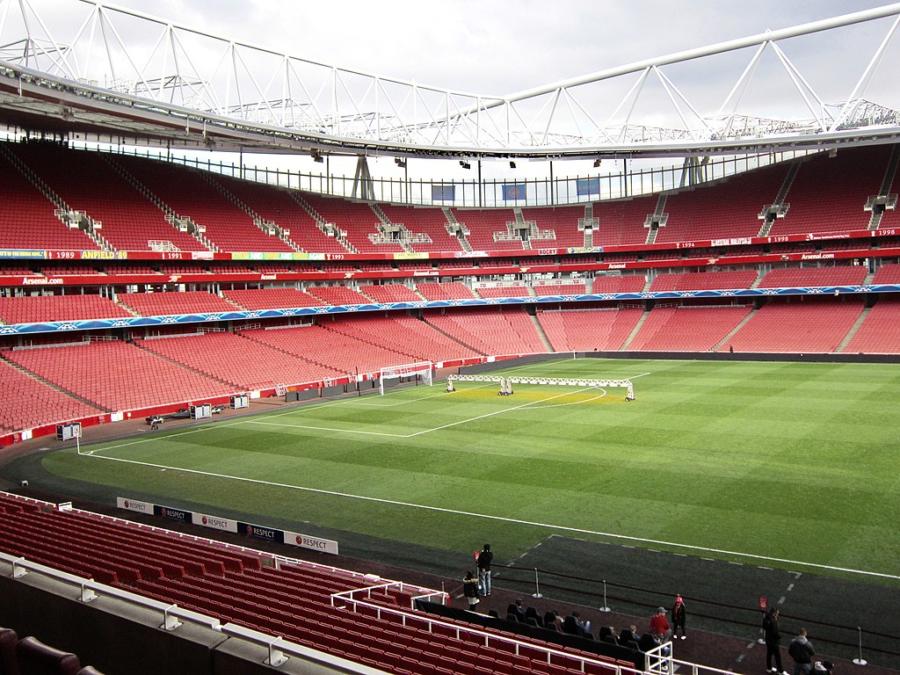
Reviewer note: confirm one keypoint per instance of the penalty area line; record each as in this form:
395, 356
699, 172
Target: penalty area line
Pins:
502, 519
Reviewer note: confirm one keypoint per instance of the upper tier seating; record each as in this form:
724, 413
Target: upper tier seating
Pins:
338, 295
503, 292
687, 329
272, 298
293, 601
276, 205
891, 218
189, 193
185, 302
563, 220
358, 220
704, 281
631, 283
27, 219
490, 331
586, 330
118, 376
803, 327
622, 222
728, 209
29, 403
828, 194
880, 330
341, 353
87, 182
560, 289
390, 293
448, 290
242, 363
803, 277
428, 221
483, 223
42, 308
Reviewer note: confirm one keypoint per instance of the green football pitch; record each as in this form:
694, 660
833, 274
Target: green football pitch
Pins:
775, 464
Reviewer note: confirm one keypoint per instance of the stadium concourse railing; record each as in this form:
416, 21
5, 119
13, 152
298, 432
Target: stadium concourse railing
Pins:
503, 193
350, 380
172, 617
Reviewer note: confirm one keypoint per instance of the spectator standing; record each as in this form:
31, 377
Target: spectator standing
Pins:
470, 590
772, 635
679, 618
801, 650
659, 625
485, 558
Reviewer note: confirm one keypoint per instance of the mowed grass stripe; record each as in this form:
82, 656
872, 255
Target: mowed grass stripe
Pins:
793, 461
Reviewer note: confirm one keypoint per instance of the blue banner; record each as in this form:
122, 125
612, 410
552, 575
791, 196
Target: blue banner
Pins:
587, 186
443, 193
514, 192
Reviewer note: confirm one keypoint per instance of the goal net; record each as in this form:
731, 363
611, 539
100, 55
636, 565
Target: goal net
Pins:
409, 372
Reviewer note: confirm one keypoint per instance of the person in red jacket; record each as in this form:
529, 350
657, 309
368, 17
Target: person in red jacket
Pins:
659, 625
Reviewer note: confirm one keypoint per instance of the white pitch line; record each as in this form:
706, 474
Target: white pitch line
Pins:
414, 433
496, 412
503, 519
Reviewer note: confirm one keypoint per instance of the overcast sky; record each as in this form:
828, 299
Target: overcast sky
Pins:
493, 47
500, 47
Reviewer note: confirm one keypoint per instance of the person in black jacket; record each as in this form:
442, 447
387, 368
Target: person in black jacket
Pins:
801, 650
679, 618
485, 558
470, 590
773, 641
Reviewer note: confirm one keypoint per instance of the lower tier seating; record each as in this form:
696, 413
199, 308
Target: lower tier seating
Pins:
687, 329
117, 376
586, 330
30, 403
336, 353
797, 327
415, 339
880, 331
293, 601
491, 331
242, 363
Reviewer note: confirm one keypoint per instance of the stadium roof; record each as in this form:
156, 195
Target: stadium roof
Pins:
194, 89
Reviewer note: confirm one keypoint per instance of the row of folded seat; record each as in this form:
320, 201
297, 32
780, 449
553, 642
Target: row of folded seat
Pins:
30, 656
294, 601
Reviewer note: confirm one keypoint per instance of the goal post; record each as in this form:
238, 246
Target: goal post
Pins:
422, 371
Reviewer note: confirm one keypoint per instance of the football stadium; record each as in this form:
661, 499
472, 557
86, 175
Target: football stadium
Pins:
319, 357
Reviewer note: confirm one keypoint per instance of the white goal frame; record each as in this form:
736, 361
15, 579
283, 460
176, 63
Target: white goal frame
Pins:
421, 369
